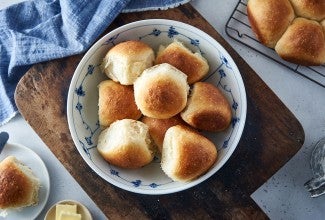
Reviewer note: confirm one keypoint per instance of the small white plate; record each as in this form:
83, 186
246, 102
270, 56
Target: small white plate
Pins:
81, 209
33, 161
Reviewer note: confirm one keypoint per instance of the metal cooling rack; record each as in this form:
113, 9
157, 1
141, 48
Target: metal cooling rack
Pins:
239, 29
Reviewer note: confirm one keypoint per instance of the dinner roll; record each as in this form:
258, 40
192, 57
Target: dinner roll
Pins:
269, 19
126, 143
19, 187
207, 108
158, 128
194, 65
295, 27
312, 9
125, 61
303, 43
116, 102
161, 91
186, 154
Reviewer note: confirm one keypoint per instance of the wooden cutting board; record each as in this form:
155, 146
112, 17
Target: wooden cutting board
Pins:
272, 135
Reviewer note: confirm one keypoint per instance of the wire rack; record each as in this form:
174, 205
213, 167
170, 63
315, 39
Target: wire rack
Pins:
239, 29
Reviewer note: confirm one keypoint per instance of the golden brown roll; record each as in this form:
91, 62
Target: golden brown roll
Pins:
294, 27
207, 108
116, 102
312, 9
126, 61
194, 65
126, 143
186, 154
161, 91
269, 19
303, 43
19, 186
158, 128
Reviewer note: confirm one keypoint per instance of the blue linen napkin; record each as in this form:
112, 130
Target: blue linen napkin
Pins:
42, 30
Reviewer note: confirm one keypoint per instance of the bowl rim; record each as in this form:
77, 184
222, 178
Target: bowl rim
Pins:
241, 89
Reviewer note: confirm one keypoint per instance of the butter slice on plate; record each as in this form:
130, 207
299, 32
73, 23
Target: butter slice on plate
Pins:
69, 216
64, 211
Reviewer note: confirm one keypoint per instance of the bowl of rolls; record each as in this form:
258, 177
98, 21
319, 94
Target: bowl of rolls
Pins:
156, 106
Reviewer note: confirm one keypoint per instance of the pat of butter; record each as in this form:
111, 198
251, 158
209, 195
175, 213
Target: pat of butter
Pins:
69, 216
59, 208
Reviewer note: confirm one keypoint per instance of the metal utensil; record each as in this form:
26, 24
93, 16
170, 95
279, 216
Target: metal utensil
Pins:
4, 136
316, 185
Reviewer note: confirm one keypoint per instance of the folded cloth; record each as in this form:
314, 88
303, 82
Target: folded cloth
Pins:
143, 5
42, 30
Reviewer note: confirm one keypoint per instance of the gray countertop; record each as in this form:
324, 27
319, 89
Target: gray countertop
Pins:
283, 195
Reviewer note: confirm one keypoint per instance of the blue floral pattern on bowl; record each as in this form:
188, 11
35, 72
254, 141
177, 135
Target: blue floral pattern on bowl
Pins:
84, 129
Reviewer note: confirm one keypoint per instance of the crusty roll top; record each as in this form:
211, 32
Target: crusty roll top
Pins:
192, 64
207, 108
158, 128
303, 42
126, 61
126, 143
186, 154
18, 185
161, 91
311, 9
116, 102
269, 19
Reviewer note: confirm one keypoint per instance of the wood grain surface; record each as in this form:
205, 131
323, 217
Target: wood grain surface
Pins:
272, 135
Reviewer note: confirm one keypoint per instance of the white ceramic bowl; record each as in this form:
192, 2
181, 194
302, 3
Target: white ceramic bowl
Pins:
82, 105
